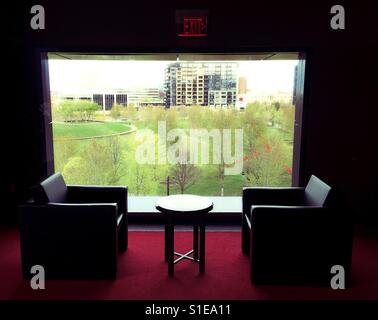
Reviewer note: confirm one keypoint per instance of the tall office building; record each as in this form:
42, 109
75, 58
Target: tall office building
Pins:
211, 84
242, 85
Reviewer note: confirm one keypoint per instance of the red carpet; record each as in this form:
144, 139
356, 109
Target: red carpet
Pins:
143, 274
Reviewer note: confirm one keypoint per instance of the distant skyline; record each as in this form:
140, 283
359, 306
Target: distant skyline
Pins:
74, 76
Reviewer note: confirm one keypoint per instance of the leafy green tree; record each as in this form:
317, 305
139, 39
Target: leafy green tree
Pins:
140, 182
63, 151
142, 179
117, 163
130, 112
274, 113
171, 118
183, 174
99, 163
288, 120
253, 121
88, 110
74, 171
67, 110
195, 115
116, 111
223, 119
268, 165
77, 110
150, 116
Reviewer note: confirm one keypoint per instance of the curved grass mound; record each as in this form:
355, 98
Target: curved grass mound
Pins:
88, 130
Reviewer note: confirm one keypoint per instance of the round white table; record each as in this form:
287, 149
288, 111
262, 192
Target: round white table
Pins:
196, 207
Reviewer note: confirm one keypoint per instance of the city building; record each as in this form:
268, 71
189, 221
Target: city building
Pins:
137, 96
211, 84
269, 97
242, 85
104, 99
107, 100
145, 96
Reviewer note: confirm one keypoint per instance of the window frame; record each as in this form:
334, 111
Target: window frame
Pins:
301, 92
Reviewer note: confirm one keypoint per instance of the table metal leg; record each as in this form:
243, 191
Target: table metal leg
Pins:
170, 246
166, 232
202, 243
195, 240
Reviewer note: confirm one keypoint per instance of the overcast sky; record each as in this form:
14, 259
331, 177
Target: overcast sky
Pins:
71, 76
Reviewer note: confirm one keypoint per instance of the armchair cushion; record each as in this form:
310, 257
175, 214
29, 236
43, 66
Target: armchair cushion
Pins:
53, 189
316, 192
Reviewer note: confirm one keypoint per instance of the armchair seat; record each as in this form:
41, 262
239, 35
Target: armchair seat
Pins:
74, 232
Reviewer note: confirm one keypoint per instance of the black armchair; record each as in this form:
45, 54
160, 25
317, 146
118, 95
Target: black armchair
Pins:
74, 232
293, 236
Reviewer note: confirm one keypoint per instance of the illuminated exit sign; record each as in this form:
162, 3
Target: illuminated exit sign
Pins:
192, 23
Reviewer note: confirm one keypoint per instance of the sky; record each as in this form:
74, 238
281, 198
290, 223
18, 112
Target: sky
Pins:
74, 76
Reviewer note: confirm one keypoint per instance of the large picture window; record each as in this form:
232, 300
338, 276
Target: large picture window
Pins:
207, 124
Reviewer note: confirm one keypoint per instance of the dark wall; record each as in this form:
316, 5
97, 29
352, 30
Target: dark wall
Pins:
339, 139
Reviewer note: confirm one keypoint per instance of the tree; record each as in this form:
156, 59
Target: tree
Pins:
140, 182
183, 174
195, 115
74, 171
77, 110
99, 163
268, 165
63, 151
253, 121
223, 119
117, 165
171, 118
274, 113
130, 112
141, 177
150, 116
116, 111
288, 119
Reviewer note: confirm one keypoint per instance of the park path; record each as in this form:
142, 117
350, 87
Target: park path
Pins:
133, 129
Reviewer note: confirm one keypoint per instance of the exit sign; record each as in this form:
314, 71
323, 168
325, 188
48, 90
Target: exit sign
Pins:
192, 23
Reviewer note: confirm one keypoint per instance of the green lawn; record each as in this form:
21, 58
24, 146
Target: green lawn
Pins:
81, 130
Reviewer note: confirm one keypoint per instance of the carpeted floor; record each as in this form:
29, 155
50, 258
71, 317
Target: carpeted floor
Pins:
142, 273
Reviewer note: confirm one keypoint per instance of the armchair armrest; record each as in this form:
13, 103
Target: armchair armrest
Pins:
271, 196
83, 214
278, 214
96, 194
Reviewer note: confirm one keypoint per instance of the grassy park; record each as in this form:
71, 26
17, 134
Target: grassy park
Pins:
92, 146
90, 129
